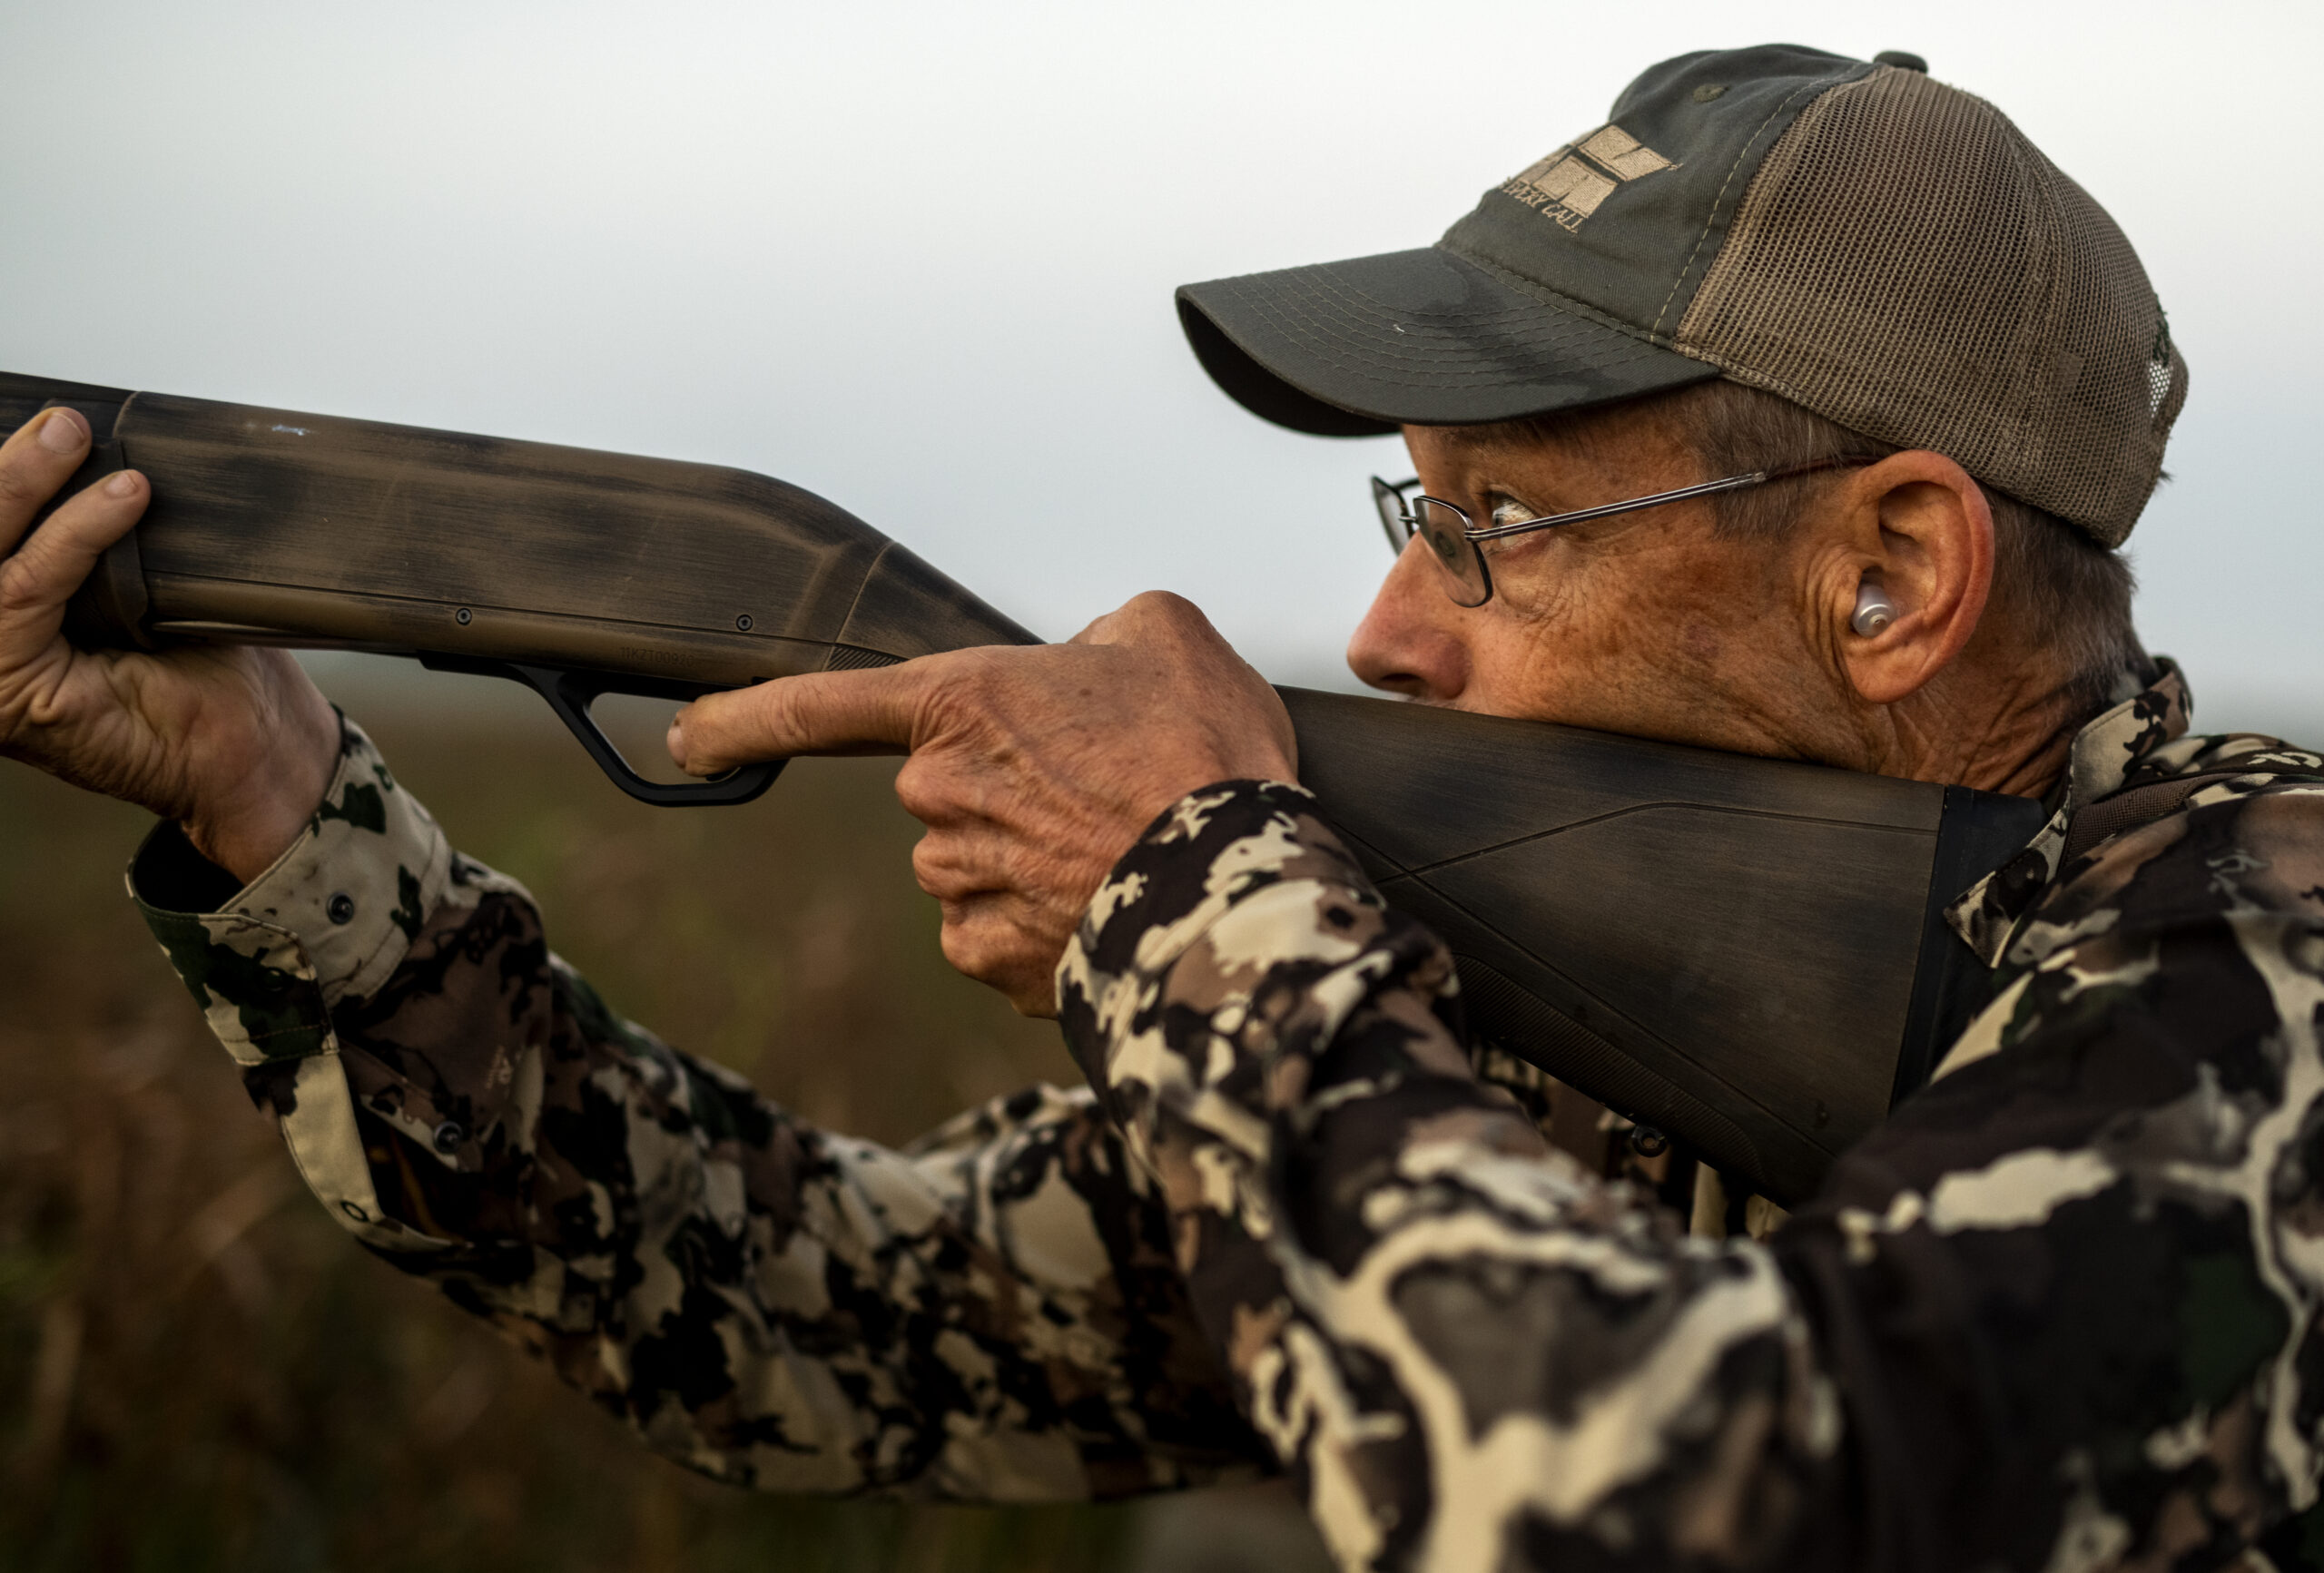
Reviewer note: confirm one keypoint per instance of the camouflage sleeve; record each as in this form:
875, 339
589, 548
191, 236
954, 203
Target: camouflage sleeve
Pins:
991, 1315
2053, 1316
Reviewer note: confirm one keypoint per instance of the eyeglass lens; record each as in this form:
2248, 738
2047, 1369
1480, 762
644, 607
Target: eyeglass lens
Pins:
1444, 528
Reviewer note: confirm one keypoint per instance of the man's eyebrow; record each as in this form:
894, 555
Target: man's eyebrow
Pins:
1474, 439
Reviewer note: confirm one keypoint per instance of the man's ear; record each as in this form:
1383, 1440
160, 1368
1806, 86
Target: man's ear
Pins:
1920, 530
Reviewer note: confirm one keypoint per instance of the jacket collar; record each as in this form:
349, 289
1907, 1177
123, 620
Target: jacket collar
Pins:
2131, 741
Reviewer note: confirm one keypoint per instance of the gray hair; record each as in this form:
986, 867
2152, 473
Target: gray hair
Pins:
2050, 578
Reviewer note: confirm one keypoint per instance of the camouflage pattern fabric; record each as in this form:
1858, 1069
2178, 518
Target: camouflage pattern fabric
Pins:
2055, 1315
993, 1314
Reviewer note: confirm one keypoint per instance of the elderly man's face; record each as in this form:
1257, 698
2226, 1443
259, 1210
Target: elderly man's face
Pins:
1647, 622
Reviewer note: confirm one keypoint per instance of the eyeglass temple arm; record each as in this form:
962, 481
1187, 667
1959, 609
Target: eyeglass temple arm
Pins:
1728, 484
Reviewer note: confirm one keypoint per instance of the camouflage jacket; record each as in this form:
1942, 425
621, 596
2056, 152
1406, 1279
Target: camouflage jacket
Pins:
2055, 1315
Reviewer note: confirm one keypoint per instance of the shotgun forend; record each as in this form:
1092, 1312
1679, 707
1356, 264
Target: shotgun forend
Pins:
578, 572
1749, 954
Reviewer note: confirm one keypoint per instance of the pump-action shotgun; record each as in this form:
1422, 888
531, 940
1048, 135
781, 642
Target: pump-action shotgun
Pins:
1747, 954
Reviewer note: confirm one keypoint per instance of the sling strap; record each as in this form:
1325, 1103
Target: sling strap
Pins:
2141, 806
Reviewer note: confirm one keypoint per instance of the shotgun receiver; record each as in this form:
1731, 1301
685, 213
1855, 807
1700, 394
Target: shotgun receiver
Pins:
1749, 954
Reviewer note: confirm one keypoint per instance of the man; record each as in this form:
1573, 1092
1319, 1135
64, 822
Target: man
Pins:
2055, 1315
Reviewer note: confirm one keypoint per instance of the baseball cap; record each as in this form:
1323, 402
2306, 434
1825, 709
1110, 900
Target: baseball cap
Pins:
1883, 249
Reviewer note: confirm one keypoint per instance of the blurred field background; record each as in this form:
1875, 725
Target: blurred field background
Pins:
198, 1371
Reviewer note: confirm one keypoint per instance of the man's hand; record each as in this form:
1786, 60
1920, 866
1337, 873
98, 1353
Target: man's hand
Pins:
235, 743
1034, 769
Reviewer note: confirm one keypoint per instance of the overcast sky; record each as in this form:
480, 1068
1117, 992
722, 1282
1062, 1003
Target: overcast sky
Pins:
918, 257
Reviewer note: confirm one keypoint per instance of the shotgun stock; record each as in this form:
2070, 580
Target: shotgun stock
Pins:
1747, 954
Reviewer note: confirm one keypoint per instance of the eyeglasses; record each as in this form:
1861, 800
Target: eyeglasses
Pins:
1454, 538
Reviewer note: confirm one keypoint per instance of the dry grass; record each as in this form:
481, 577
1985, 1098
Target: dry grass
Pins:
198, 1370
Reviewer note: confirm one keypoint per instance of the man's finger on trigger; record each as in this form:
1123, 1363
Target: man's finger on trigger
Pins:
39, 458
40, 576
868, 712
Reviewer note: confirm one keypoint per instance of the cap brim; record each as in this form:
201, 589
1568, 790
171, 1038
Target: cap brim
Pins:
1424, 337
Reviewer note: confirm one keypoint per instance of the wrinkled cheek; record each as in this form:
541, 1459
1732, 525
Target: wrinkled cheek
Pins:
1562, 668
1701, 645
1530, 597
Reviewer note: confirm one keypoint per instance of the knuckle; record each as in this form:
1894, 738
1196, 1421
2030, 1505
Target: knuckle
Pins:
700, 740
742, 720
19, 489
958, 951
726, 718
925, 861
912, 790
924, 790
939, 872
973, 948
1164, 606
945, 711
779, 708
23, 586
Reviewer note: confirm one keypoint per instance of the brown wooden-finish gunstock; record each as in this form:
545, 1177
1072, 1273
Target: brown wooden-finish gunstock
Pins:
1749, 954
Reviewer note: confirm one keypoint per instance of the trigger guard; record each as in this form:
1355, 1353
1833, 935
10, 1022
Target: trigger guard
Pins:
570, 693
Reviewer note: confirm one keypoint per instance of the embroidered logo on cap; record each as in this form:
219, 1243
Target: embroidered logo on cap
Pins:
1568, 184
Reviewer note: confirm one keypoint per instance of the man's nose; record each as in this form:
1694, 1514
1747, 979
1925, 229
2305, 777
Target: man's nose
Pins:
1410, 641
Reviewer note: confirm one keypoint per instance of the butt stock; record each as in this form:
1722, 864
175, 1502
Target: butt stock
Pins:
1750, 954
1747, 954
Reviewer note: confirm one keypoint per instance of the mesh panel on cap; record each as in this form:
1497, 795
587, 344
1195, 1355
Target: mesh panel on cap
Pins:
1907, 264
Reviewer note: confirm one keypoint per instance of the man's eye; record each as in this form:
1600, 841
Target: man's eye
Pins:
1508, 510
